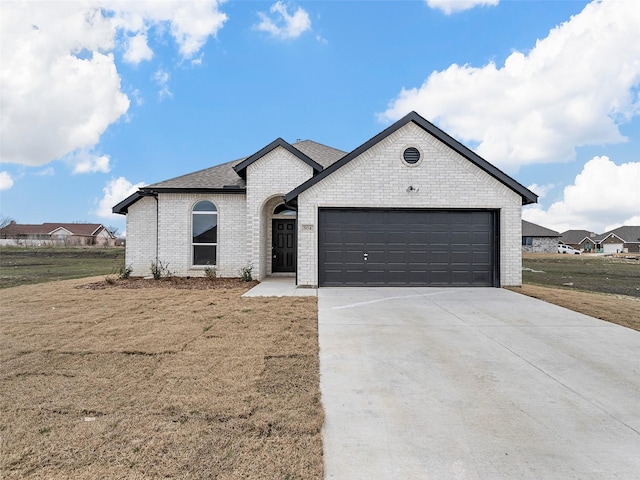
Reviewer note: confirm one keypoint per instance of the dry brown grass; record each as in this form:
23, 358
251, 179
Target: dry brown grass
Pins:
620, 309
158, 382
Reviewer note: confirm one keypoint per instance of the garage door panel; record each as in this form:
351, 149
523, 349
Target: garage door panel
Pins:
461, 258
357, 237
333, 257
376, 238
481, 238
406, 247
398, 257
418, 257
461, 238
353, 257
481, 258
440, 238
439, 257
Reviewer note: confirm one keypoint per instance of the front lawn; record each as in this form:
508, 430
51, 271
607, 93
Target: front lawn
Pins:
101, 381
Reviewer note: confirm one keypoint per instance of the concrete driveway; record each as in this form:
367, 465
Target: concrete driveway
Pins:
474, 383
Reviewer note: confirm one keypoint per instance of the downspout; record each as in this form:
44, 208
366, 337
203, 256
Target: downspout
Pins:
155, 195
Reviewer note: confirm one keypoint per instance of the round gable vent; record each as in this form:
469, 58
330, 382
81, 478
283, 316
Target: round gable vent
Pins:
411, 155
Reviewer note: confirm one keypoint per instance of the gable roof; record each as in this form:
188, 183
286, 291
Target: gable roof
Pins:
223, 178
577, 236
527, 195
241, 168
532, 230
628, 233
82, 229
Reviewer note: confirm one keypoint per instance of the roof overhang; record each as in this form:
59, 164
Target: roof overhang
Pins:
527, 195
122, 208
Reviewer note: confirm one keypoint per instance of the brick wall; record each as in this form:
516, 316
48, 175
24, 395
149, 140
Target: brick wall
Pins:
141, 236
541, 245
442, 179
268, 180
174, 227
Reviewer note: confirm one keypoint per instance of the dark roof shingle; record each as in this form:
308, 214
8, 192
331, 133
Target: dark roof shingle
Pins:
533, 230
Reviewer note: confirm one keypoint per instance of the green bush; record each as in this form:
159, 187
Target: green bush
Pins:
210, 273
159, 270
245, 273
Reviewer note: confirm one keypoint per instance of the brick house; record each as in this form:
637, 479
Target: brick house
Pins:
538, 239
73, 234
625, 239
411, 206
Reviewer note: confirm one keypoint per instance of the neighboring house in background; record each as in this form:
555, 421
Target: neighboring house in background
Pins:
624, 239
576, 238
411, 206
75, 234
537, 239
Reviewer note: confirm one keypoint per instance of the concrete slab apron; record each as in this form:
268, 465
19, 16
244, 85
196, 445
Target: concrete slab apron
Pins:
474, 384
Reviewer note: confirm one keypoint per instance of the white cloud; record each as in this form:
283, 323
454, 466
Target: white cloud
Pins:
453, 6
573, 88
137, 49
541, 190
161, 77
282, 24
604, 195
88, 162
114, 192
6, 182
59, 80
46, 172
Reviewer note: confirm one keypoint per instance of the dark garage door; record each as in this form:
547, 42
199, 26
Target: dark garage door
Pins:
407, 247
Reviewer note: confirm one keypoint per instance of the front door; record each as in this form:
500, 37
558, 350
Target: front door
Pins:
283, 246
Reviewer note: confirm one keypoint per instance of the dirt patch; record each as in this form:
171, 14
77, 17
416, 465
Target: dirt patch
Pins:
620, 309
158, 379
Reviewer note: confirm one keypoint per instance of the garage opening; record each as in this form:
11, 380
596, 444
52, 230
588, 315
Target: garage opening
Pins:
407, 247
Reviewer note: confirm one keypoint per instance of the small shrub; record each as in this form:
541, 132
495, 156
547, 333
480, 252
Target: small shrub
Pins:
210, 273
124, 272
159, 270
245, 273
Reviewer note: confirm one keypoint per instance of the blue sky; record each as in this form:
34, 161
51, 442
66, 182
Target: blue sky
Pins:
99, 98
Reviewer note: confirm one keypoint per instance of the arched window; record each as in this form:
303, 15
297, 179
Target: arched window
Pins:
282, 209
204, 233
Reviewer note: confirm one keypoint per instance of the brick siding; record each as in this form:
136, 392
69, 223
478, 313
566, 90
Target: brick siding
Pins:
442, 179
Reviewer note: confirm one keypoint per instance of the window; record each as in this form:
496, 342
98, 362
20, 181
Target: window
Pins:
284, 210
527, 240
204, 233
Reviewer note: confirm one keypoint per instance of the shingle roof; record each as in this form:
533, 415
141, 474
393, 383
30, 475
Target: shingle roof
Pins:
532, 230
224, 175
629, 233
209, 178
576, 236
241, 168
84, 229
322, 154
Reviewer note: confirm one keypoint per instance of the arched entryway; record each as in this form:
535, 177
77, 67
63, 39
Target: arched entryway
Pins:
278, 249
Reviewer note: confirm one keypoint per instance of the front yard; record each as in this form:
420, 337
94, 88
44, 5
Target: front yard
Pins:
158, 382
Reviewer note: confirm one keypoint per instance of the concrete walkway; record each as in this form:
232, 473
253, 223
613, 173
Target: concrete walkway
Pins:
435, 383
280, 286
